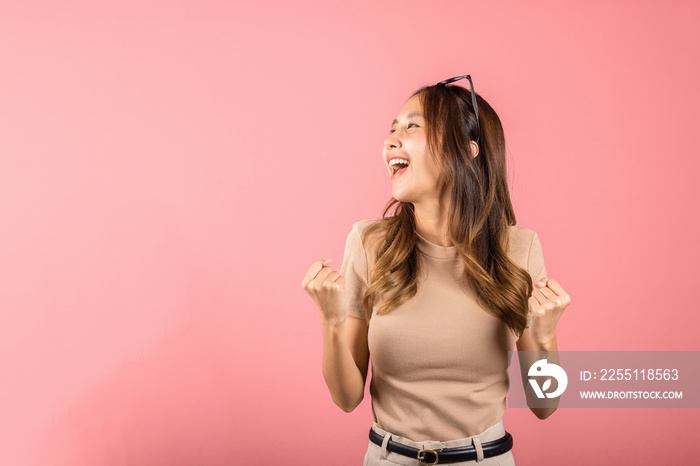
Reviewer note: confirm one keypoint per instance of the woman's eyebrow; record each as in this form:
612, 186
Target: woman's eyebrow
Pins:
408, 117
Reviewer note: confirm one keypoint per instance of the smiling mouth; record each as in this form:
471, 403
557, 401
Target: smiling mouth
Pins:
398, 166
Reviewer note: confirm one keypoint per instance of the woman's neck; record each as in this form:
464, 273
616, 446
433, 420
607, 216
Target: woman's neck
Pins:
431, 224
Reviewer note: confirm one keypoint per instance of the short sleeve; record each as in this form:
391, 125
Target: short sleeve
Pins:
354, 271
535, 260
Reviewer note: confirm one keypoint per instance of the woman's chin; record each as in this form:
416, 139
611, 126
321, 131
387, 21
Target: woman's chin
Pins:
399, 196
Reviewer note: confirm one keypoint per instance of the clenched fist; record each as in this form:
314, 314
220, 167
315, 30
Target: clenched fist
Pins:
327, 288
546, 305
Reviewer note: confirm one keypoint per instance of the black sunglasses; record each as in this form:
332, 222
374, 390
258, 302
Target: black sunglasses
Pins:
476, 109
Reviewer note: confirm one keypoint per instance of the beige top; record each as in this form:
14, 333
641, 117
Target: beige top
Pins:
439, 361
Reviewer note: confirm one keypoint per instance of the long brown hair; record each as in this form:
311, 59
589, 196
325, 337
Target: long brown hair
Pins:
479, 213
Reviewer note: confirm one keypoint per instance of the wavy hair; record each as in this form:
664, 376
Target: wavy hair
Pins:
479, 214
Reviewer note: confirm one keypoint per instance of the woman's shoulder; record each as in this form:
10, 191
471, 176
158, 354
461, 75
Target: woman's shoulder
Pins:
518, 231
521, 237
362, 225
369, 237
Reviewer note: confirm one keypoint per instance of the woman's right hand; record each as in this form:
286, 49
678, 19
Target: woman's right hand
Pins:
327, 288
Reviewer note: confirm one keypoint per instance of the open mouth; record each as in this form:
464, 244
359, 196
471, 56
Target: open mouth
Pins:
398, 165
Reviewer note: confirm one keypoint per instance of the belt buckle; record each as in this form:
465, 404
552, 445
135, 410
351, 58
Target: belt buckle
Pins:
421, 455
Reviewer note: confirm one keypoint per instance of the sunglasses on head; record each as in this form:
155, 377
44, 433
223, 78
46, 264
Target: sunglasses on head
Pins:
471, 85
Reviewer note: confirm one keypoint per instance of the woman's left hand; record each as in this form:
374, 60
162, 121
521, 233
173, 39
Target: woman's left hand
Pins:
546, 305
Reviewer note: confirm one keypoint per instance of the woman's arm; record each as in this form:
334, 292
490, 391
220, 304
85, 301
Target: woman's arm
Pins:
547, 303
345, 361
527, 348
345, 346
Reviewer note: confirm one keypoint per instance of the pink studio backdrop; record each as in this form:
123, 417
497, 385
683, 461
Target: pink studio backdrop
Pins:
170, 170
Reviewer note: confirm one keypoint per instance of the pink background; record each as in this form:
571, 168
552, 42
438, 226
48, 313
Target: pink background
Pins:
170, 170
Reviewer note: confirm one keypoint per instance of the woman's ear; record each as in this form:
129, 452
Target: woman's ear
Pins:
475, 148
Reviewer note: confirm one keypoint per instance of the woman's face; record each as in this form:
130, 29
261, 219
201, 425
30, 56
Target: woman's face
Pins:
416, 183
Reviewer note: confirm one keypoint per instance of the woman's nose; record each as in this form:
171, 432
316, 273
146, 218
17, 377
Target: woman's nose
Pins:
392, 141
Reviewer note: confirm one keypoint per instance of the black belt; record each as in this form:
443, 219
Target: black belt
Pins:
446, 455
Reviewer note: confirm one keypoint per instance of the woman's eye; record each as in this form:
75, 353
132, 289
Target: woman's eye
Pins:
409, 125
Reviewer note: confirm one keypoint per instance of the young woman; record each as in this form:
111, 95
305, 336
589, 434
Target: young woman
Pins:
438, 292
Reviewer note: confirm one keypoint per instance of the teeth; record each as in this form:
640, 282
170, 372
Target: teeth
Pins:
398, 164
393, 162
